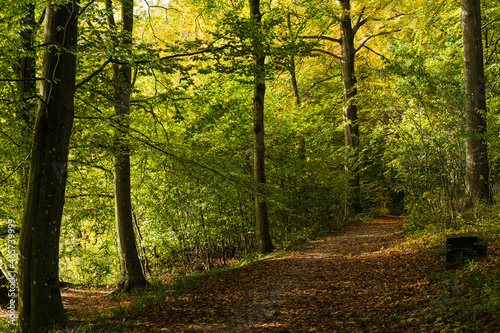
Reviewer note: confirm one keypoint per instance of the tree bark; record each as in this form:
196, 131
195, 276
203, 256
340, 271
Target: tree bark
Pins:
131, 273
477, 169
40, 304
350, 115
264, 242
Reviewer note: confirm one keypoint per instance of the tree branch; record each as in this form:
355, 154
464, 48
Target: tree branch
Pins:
362, 44
360, 22
142, 62
13, 172
320, 81
327, 52
385, 19
490, 22
144, 139
91, 165
380, 55
91, 76
492, 51
22, 80
331, 39
81, 11
180, 55
89, 195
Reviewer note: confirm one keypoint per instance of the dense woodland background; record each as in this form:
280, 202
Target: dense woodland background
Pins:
190, 129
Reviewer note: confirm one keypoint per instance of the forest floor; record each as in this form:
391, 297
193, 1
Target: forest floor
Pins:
365, 278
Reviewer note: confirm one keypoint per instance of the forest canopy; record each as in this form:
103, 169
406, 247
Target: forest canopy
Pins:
244, 125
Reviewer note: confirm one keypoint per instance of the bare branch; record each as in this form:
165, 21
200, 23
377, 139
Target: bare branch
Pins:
14, 171
85, 8
385, 19
380, 55
492, 51
91, 165
327, 52
363, 43
321, 81
91, 76
331, 39
173, 56
490, 22
89, 195
141, 62
195, 53
360, 21
22, 80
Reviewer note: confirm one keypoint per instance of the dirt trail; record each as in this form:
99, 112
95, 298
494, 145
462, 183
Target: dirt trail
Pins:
356, 281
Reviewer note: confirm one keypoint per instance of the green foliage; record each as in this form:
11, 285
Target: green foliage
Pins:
469, 296
191, 132
426, 149
191, 138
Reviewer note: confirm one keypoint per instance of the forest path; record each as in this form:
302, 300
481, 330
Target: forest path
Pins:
360, 280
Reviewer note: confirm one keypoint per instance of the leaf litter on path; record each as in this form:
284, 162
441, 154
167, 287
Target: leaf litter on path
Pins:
356, 281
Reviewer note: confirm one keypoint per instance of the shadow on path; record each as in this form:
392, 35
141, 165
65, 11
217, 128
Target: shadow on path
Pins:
356, 281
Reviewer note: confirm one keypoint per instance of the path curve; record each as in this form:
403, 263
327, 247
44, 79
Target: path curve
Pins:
359, 280
356, 281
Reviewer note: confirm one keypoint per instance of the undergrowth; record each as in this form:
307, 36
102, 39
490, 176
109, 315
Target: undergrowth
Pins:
469, 295
467, 300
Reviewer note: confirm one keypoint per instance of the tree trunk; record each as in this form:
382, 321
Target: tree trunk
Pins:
40, 304
477, 169
131, 273
27, 89
264, 243
293, 76
350, 115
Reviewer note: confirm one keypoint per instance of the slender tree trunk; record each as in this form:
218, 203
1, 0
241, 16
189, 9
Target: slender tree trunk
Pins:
131, 273
293, 74
350, 115
40, 304
477, 169
264, 243
293, 79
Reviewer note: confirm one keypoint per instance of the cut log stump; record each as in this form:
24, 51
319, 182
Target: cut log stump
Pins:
459, 248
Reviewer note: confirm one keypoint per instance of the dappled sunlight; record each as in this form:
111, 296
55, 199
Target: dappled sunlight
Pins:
354, 281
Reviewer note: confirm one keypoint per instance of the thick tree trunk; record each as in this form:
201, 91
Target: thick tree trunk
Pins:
264, 242
350, 115
40, 304
131, 274
477, 179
